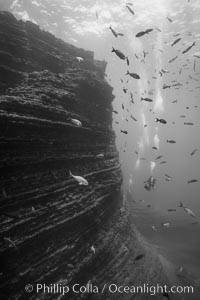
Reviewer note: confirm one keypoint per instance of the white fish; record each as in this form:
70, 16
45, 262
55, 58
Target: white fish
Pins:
79, 179
92, 249
166, 224
76, 122
189, 211
101, 155
80, 59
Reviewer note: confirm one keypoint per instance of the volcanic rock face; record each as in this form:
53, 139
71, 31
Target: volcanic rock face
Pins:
54, 230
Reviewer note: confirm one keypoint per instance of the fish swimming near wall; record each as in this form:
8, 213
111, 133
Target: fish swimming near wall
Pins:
79, 179
188, 48
133, 75
163, 121
118, 53
76, 122
171, 141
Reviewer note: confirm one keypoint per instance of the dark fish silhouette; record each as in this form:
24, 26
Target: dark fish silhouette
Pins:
141, 33
176, 41
115, 33
193, 180
146, 99
131, 11
158, 29
165, 86
193, 152
133, 118
163, 162
138, 257
155, 148
127, 61
158, 157
124, 131
171, 209
175, 101
148, 30
171, 60
188, 123
163, 121
114, 111
171, 141
133, 75
170, 20
119, 53
187, 49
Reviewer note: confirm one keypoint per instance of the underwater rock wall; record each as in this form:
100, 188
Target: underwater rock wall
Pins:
54, 230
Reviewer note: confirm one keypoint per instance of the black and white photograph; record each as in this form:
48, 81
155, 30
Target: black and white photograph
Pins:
100, 149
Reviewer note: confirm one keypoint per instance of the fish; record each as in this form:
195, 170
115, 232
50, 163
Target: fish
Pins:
171, 209
79, 179
124, 131
182, 116
141, 33
171, 60
125, 90
76, 122
176, 41
163, 121
167, 175
122, 106
167, 179
146, 99
145, 54
119, 53
138, 257
148, 30
155, 148
127, 61
171, 141
170, 20
193, 152
194, 66
158, 29
188, 123
133, 118
131, 11
114, 111
188, 48
113, 32
158, 157
80, 59
192, 180
164, 71
163, 162
165, 86
174, 101
133, 75
101, 155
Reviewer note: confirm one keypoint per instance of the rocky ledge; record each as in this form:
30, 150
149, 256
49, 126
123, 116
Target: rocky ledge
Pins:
54, 230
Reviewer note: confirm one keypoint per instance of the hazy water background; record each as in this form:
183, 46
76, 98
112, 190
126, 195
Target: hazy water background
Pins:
85, 24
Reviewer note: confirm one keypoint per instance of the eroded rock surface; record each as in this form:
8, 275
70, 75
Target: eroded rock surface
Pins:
54, 230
